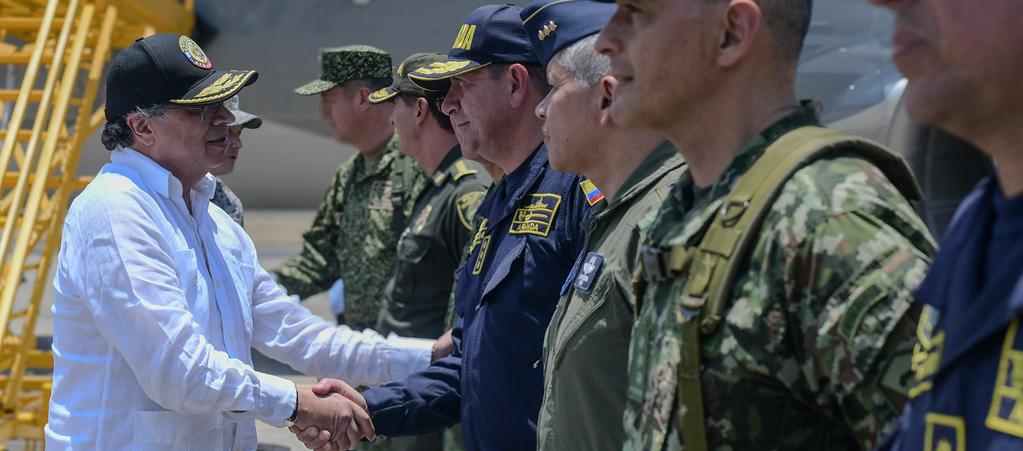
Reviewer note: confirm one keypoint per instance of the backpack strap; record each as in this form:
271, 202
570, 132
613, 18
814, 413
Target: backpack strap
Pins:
714, 263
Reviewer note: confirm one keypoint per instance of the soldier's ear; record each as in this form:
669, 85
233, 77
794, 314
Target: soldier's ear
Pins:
741, 23
361, 97
519, 85
422, 110
605, 89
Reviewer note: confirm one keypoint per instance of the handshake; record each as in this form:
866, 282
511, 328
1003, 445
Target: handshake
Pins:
332, 416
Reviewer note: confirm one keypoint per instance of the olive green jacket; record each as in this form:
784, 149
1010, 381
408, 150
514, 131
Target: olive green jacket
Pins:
587, 343
430, 249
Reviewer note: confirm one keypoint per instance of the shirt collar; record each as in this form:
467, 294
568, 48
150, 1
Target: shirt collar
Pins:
388, 151
441, 174
159, 178
748, 154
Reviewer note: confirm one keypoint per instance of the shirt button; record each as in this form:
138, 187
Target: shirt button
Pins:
218, 284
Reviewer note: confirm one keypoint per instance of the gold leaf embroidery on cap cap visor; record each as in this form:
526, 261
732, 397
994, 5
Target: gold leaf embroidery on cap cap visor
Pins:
219, 89
442, 67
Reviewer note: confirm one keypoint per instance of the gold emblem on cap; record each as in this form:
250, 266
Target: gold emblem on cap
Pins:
194, 53
547, 30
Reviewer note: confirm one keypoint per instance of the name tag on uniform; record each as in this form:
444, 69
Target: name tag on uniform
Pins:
536, 217
589, 271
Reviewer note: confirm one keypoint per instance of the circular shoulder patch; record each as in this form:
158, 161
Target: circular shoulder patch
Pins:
194, 53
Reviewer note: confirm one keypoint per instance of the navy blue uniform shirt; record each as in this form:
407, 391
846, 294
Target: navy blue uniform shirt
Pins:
505, 294
968, 362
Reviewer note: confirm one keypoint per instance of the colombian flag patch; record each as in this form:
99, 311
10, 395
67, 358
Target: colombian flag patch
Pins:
593, 194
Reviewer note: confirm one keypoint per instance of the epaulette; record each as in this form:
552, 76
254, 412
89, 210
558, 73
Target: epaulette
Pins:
461, 170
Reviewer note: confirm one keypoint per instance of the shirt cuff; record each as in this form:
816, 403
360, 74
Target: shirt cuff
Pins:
412, 355
277, 399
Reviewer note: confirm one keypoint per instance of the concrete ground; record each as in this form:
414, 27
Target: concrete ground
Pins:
277, 235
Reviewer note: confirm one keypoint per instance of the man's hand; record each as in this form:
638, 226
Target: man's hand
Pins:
344, 421
328, 386
443, 347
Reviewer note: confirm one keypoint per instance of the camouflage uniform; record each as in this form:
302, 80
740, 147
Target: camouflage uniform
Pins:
813, 351
586, 348
355, 232
224, 198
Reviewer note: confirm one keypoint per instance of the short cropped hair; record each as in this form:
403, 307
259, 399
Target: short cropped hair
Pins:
584, 62
537, 75
788, 21
442, 119
373, 84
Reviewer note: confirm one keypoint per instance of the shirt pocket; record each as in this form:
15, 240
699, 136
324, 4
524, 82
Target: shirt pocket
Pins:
413, 248
168, 430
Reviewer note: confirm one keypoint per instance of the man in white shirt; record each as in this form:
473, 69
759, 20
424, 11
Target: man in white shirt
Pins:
159, 294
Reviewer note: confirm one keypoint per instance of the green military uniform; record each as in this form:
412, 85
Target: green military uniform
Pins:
430, 249
355, 232
813, 347
365, 209
587, 343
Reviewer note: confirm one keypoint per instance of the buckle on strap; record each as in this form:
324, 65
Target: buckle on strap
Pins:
660, 264
654, 267
689, 308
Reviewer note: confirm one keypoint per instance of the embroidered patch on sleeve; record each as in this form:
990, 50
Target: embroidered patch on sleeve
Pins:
1006, 413
926, 352
467, 205
589, 271
537, 217
593, 194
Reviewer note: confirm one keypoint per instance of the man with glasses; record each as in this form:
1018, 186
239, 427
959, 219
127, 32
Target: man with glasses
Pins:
369, 202
159, 296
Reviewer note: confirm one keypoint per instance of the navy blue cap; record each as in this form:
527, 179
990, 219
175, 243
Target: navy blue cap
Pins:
491, 34
553, 25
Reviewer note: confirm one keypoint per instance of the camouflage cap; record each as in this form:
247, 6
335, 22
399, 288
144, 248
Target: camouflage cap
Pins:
351, 62
403, 84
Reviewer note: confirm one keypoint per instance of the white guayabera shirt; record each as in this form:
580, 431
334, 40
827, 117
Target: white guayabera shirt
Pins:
155, 311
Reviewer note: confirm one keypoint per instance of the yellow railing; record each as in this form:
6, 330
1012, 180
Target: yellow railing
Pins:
55, 51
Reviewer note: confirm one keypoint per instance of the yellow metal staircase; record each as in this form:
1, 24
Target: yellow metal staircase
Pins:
54, 52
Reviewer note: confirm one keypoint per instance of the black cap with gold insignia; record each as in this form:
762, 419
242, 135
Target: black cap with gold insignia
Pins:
553, 25
493, 34
167, 68
402, 84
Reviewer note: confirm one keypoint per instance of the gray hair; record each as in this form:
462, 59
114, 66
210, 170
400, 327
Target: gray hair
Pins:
117, 133
583, 61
